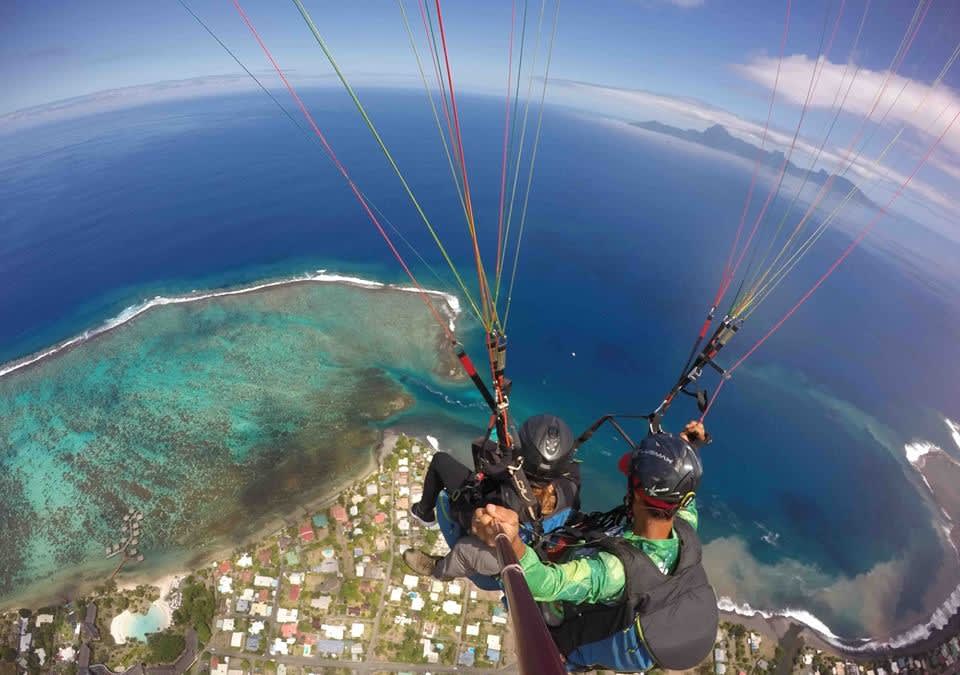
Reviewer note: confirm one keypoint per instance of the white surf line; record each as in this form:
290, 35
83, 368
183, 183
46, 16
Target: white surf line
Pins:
452, 305
954, 431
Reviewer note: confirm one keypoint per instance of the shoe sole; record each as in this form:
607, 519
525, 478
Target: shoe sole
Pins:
425, 523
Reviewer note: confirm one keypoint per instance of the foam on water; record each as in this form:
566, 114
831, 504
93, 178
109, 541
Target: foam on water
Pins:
195, 411
954, 428
938, 620
452, 307
918, 449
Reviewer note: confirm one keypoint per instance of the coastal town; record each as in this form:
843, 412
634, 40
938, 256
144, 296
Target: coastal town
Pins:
329, 593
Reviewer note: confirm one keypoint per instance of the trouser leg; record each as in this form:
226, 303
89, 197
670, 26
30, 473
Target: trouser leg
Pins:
444, 473
468, 556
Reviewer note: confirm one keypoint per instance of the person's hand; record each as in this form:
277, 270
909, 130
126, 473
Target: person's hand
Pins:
492, 519
694, 432
484, 526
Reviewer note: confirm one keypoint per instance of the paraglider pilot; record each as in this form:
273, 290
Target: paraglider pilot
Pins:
640, 598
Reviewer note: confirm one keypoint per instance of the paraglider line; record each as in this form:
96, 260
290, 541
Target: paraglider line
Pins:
343, 171
836, 263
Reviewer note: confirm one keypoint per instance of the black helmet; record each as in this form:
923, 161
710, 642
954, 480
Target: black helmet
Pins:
546, 445
666, 469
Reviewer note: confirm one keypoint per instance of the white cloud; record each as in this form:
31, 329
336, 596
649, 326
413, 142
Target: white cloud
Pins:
687, 4
919, 106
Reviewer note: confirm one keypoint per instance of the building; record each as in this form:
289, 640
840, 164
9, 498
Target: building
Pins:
322, 603
225, 586
320, 521
333, 631
329, 647
468, 657
306, 532
328, 567
285, 615
339, 514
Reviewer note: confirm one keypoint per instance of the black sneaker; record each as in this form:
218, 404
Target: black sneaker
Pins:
422, 564
419, 513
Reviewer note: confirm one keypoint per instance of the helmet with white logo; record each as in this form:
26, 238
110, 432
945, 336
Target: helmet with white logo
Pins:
546, 445
665, 469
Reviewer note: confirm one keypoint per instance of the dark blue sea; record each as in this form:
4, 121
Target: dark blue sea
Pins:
807, 502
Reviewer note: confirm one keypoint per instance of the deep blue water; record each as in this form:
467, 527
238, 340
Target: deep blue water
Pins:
627, 235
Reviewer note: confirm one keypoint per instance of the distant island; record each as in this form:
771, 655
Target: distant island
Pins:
718, 138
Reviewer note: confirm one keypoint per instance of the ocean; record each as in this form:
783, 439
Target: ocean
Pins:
809, 502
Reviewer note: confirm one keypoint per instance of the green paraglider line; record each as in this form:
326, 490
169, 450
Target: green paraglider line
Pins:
307, 135
383, 147
433, 107
346, 175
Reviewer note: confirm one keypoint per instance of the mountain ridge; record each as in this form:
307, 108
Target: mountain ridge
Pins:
718, 138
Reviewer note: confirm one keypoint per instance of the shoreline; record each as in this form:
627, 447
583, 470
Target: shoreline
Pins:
58, 593
450, 307
770, 625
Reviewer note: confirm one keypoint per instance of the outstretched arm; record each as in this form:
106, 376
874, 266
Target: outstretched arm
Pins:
597, 578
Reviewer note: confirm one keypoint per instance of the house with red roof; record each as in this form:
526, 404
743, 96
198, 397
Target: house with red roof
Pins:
294, 594
224, 567
380, 518
339, 514
288, 630
306, 532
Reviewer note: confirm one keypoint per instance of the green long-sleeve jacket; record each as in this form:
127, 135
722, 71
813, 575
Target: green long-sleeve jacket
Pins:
599, 577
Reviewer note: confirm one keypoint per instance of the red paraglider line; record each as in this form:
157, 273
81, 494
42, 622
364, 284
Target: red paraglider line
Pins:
481, 277
506, 128
793, 145
727, 277
343, 171
836, 263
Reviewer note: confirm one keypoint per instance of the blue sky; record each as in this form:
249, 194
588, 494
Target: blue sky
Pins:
691, 62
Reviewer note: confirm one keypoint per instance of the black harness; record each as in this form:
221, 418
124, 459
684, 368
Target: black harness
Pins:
676, 614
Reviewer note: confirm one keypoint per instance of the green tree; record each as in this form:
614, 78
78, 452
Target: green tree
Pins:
197, 608
165, 647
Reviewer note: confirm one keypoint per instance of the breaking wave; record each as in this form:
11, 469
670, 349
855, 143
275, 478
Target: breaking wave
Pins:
938, 621
451, 308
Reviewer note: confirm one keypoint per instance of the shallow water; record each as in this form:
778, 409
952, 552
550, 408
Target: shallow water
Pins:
137, 626
207, 416
624, 244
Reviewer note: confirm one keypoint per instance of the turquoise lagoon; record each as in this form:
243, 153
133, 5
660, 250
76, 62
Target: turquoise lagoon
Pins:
211, 414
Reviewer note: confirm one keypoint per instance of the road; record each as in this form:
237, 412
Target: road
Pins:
375, 634
369, 666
